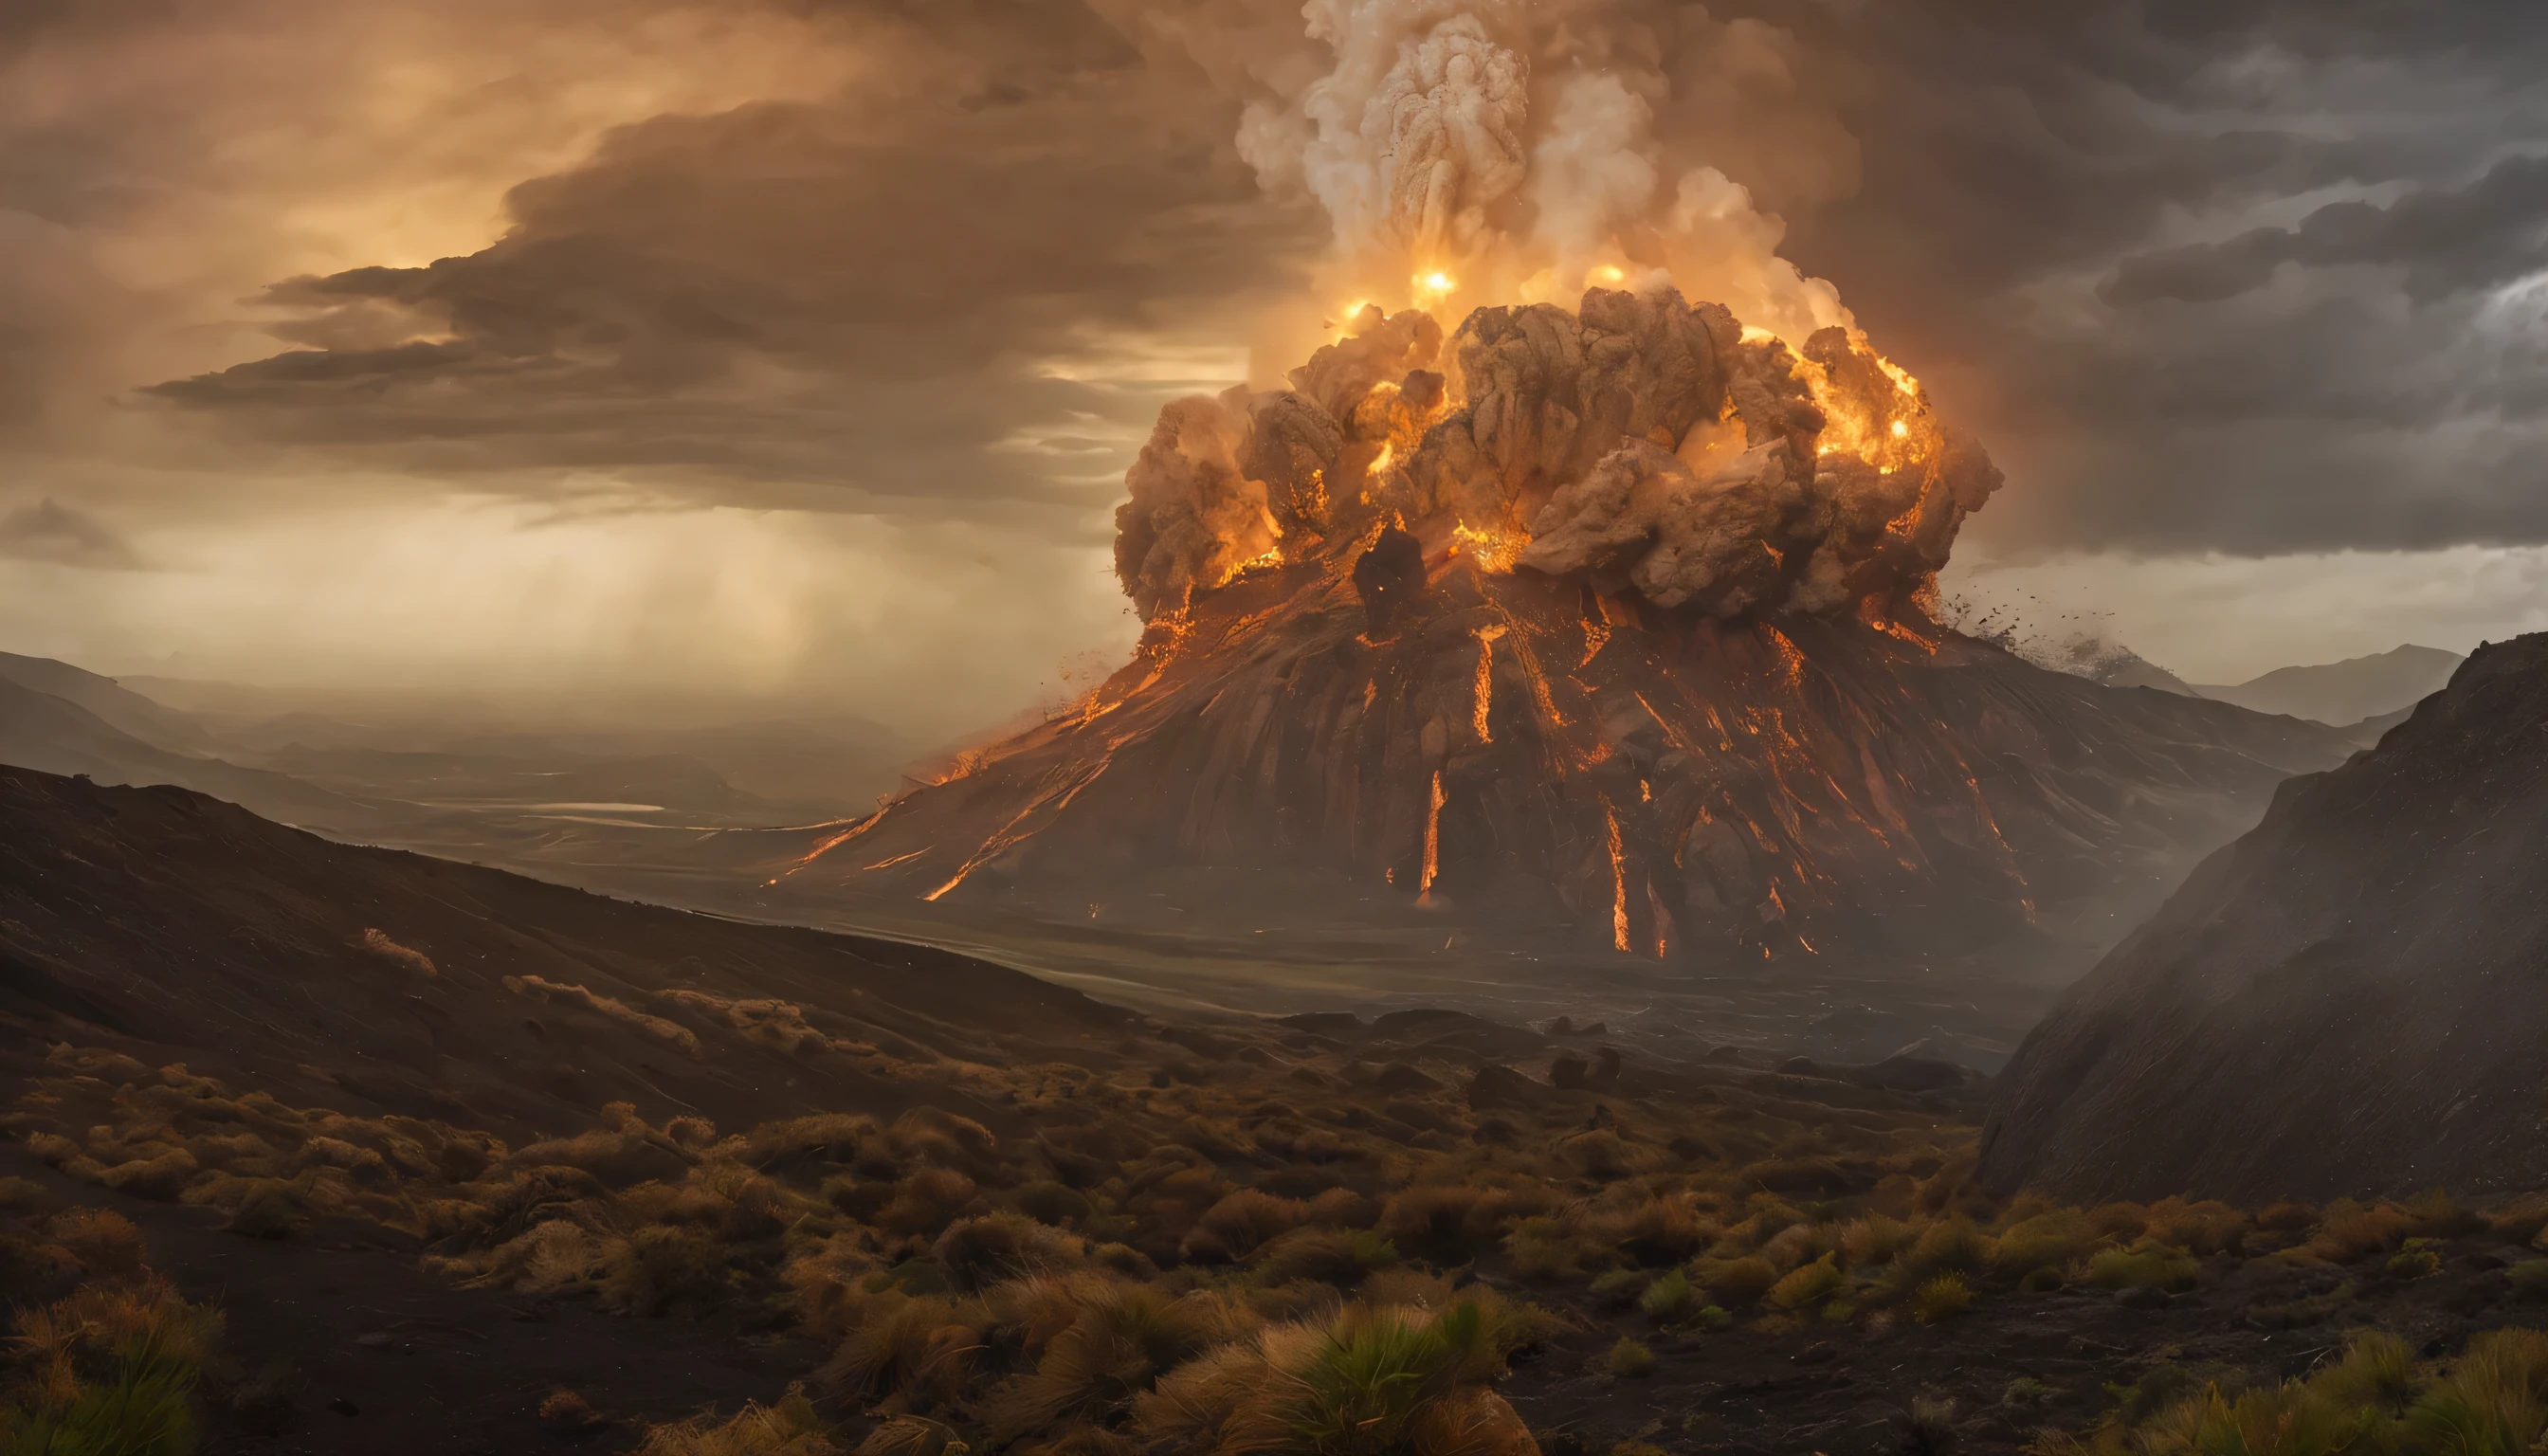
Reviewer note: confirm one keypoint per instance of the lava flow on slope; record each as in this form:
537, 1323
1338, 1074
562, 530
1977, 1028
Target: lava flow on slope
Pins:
1612, 623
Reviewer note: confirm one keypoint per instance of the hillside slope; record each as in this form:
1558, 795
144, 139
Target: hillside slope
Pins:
2351, 999
178, 927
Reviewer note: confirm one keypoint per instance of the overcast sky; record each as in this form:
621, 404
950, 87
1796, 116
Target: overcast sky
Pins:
785, 348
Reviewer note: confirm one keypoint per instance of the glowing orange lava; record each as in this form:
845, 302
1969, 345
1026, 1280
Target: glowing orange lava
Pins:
1618, 883
1485, 694
1008, 837
827, 845
1493, 549
1596, 634
1433, 841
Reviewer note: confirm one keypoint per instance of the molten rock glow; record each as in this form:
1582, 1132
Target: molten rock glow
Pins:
1641, 442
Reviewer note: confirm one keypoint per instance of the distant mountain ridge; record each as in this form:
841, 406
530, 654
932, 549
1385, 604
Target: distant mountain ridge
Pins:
2343, 693
59, 734
115, 704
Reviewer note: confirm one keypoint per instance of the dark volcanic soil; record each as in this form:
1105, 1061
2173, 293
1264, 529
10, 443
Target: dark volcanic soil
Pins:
1844, 1392
426, 1369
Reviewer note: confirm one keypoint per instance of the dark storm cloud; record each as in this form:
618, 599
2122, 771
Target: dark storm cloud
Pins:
864, 292
2075, 223
2482, 236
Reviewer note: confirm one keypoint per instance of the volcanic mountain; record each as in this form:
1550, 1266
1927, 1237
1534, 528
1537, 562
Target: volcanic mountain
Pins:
1611, 623
2349, 1000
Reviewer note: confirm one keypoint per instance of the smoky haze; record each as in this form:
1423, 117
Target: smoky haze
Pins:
792, 353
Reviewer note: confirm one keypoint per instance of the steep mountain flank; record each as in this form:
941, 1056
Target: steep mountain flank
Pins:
2351, 999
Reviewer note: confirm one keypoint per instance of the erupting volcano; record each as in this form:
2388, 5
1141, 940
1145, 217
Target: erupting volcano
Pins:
1616, 621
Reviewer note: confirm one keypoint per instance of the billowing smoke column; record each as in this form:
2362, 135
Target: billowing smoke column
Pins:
1485, 161
1642, 442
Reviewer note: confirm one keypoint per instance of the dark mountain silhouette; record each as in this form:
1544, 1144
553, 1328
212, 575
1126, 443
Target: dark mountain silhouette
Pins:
2351, 999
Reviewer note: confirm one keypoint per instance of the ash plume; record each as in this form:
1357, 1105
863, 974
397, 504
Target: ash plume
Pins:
1644, 443
1497, 151
1532, 178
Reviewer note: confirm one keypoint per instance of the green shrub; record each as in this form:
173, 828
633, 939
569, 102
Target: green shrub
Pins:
2144, 1266
1713, 1316
2287, 1420
1630, 1360
2530, 1279
1808, 1285
1619, 1288
1669, 1299
2491, 1401
1941, 1298
2047, 1241
1928, 1428
1951, 1243
117, 1368
2378, 1370
1376, 1376
2417, 1261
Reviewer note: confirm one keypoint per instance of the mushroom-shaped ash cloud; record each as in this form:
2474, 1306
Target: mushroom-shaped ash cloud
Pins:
1640, 441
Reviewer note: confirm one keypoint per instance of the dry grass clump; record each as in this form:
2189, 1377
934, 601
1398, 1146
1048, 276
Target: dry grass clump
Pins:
1241, 1222
1654, 1227
1364, 1380
2145, 1265
1342, 1257
772, 1022
2348, 1232
791, 1428
1808, 1286
2053, 1239
406, 958
543, 989
2493, 1401
1630, 1360
113, 1368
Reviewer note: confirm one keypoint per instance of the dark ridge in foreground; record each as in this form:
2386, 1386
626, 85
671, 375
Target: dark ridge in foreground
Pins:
162, 921
2351, 999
